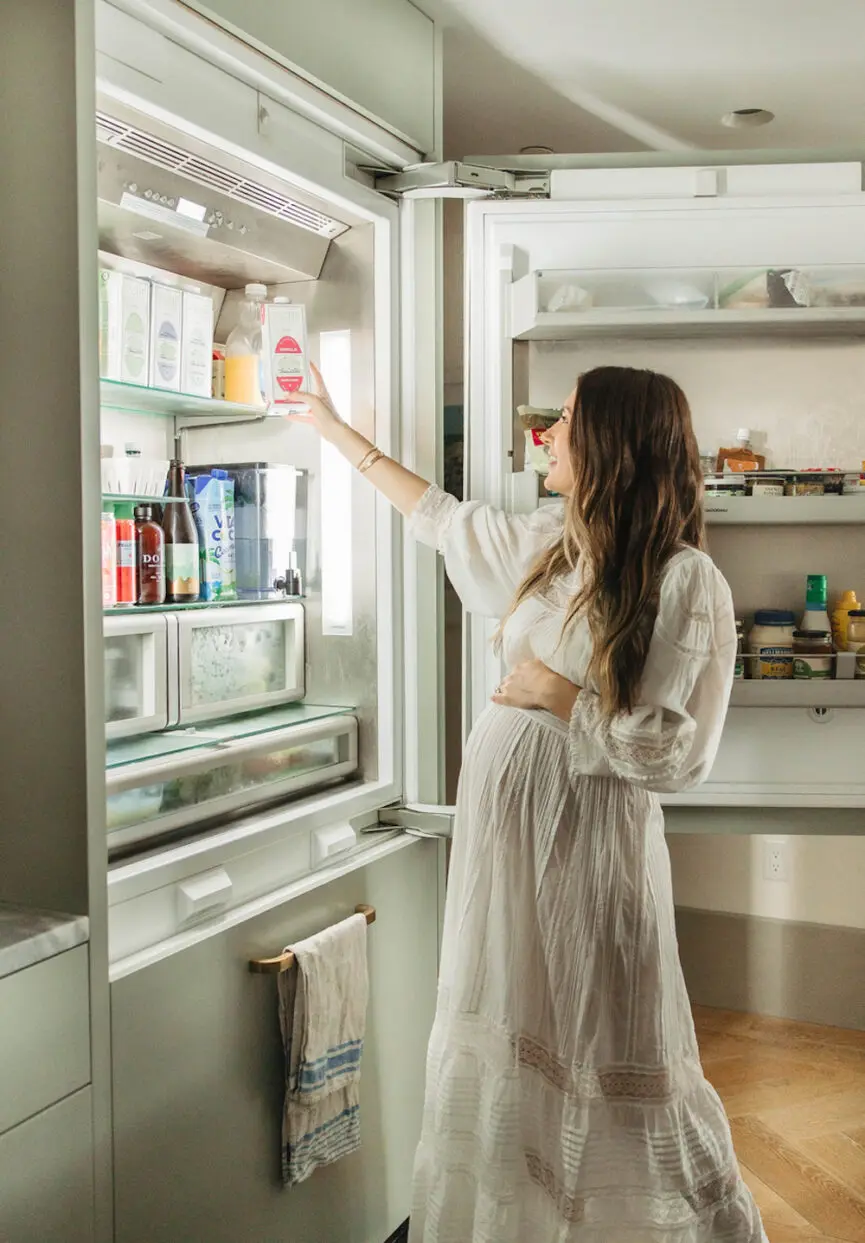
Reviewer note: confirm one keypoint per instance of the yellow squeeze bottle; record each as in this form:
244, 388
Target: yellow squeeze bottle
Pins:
841, 618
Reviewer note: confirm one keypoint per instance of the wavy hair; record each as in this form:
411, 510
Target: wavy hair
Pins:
637, 500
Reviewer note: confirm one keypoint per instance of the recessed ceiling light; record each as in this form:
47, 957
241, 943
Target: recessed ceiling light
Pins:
535, 151
744, 118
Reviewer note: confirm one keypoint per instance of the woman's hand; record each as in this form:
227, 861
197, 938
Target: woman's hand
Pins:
534, 685
320, 412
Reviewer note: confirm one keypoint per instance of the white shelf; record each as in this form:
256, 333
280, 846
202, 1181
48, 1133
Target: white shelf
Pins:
642, 303
775, 693
785, 510
796, 321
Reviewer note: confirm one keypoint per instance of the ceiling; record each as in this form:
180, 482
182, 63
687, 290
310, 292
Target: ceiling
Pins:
630, 75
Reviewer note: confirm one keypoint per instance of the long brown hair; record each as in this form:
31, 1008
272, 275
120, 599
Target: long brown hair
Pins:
637, 499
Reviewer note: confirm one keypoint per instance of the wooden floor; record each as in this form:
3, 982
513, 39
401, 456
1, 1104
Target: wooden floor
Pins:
795, 1096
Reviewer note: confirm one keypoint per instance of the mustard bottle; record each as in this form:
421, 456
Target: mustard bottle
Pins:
841, 618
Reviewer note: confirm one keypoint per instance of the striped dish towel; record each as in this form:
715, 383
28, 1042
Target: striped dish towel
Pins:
322, 1013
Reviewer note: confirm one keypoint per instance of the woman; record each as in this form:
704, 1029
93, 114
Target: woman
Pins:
565, 1099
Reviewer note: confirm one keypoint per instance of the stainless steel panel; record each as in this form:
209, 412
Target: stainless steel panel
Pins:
44, 1036
239, 660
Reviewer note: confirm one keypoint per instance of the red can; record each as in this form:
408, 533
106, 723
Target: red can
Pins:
124, 542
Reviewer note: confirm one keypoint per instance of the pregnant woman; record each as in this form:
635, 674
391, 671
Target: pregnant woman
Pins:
565, 1101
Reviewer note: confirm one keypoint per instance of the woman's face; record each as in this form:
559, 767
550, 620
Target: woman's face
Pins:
561, 476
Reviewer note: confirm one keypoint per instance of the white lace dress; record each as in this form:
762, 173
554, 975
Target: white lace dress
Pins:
565, 1101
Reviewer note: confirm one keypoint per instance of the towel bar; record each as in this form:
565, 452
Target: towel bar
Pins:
285, 961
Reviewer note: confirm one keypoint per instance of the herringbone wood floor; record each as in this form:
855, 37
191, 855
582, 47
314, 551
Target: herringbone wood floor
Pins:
795, 1095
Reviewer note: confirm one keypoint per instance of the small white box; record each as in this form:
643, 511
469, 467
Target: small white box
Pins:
166, 324
284, 346
124, 319
196, 355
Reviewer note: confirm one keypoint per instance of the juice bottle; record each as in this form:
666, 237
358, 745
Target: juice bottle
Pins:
151, 557
243, 367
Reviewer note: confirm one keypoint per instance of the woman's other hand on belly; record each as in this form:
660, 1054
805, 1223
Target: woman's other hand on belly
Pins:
534, 685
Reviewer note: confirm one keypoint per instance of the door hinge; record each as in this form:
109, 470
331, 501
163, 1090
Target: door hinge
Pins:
456, 180
416, 820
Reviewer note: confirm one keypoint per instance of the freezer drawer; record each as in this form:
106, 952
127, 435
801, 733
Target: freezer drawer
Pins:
240, 660
137, 675
218, 778
198, 1074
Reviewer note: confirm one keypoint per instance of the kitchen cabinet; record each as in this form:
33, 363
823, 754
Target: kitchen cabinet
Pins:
46, 1175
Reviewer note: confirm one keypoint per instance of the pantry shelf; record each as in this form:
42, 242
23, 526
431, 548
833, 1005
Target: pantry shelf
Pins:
775, 693
135, 399
785, 510
162, 746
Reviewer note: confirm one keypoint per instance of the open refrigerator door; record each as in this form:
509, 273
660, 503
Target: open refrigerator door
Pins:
269, 715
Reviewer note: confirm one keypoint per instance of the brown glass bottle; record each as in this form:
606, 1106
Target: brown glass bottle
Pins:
150, 557
182, 570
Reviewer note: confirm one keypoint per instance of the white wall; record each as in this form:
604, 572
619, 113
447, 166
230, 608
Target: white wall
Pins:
725, 873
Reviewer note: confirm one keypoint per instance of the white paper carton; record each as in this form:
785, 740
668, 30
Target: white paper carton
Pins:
124, 319
196, 355
166, 325
286, 358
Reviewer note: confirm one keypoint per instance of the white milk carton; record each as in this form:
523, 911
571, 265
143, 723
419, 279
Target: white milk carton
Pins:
166, 325
196, 354
124, 321
284, 348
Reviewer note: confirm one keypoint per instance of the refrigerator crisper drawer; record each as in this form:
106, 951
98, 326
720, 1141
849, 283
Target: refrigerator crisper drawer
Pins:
240, 660
137, 674
158, 797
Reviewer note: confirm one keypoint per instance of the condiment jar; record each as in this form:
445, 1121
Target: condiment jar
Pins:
844, 605
812, 654
771, 644
739, 668
856, 639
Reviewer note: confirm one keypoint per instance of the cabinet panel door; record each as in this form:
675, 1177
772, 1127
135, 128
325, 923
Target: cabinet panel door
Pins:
198, 1075
46, 1176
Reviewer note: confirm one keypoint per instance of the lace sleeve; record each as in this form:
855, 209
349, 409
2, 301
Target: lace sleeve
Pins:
669, 742
487, 551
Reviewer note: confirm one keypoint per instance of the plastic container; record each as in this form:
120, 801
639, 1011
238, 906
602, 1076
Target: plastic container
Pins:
243, 361
844, 605
771, 644
812, 655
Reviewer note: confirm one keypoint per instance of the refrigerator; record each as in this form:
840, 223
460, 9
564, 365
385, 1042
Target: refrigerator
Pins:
259, 797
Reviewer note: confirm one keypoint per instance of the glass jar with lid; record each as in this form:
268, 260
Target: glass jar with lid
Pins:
856, 639
813, 654
771, 643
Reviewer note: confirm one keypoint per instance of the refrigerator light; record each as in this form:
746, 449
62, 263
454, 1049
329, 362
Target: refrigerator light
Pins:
337, 609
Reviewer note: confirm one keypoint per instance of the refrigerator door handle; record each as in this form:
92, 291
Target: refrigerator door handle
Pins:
417, 820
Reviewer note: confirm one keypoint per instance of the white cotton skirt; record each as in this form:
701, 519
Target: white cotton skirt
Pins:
565, 1102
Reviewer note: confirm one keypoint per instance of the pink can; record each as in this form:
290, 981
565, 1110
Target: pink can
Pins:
109, 562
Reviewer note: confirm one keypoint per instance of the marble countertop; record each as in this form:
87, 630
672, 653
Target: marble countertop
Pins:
29, 936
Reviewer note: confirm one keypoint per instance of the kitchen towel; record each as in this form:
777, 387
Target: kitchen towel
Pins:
322, 1013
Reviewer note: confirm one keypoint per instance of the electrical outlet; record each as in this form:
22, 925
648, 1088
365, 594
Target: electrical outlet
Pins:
776, 862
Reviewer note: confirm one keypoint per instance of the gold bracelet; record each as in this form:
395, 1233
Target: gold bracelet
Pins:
369, 460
